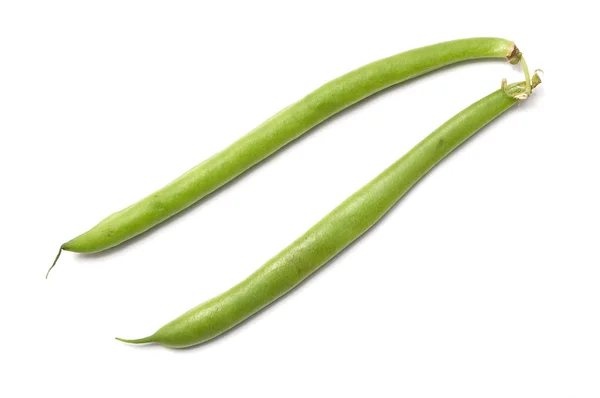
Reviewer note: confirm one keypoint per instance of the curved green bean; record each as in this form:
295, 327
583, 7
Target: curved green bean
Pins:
279, 130
334, 232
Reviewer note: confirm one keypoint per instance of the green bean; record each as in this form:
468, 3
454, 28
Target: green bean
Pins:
334, 232
279, 130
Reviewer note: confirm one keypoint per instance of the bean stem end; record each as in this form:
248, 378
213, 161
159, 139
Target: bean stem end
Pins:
515, 55
529, 84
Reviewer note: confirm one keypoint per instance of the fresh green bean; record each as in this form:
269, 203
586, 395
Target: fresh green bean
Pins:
279, 130
335, 231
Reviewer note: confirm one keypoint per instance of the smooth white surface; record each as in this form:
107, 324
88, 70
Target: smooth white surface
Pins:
483, 282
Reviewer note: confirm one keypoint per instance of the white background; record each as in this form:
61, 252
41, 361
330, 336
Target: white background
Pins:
483, 282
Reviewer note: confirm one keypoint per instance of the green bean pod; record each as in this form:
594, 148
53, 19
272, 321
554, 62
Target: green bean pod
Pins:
334, 232
279, 130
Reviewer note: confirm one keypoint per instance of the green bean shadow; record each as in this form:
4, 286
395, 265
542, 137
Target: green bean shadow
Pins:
255, 317
280, 152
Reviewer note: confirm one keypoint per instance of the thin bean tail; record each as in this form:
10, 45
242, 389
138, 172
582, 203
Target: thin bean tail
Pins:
145, 340
55, 260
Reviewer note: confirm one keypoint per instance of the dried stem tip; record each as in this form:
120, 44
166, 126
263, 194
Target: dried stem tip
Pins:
514, 56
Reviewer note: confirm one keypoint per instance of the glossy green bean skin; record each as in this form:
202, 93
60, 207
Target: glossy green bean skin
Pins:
332, 234
279, 130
